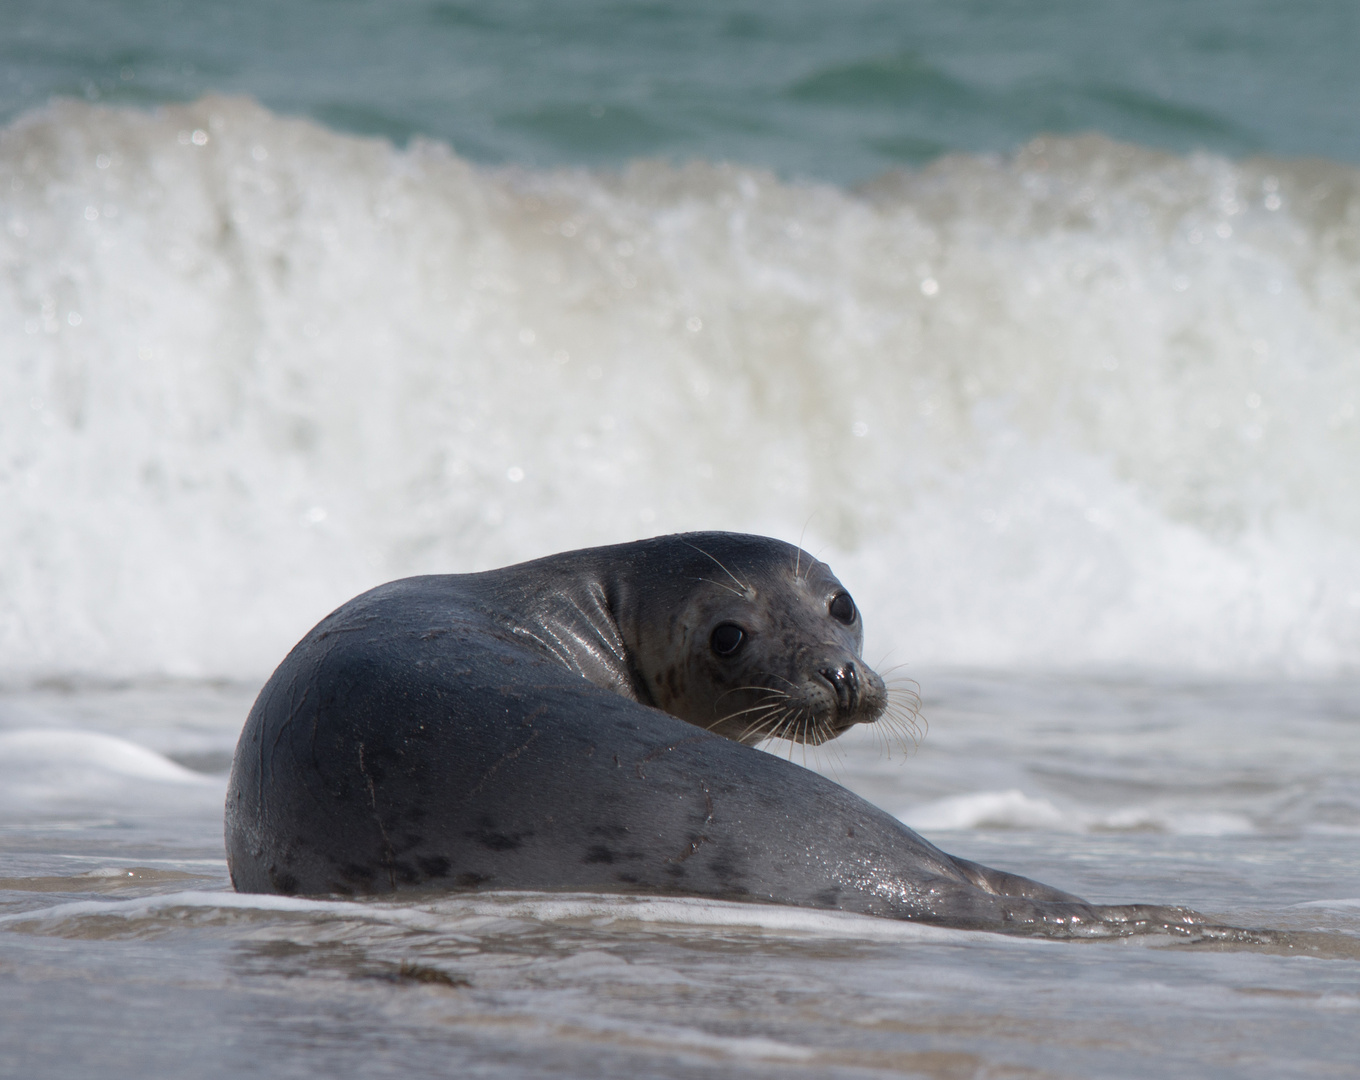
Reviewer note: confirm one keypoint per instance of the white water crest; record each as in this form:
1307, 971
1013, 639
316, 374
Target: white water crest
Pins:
1090, 404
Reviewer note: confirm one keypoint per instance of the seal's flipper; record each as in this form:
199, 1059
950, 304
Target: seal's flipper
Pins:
1001, 883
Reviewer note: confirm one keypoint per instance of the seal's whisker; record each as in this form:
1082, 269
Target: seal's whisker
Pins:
757, 707
746, 590
751, 689
767, 732
907, 708
720, 585
906, 697
900, 722
769, 699
835, 759
905, 711
888, 738
798, 551
770, 719
733, 716
900, 681
885, 672
798, 729
761, 726
764, 706
768, 714
758, 732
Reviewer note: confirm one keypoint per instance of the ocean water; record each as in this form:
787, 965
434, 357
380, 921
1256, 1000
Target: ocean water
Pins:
1041, 325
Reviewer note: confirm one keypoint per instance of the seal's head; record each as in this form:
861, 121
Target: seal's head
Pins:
753, 639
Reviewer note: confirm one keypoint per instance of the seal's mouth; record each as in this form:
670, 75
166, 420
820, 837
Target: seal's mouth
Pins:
840, 694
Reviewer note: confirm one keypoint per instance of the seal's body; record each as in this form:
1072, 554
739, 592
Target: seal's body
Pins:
505, 730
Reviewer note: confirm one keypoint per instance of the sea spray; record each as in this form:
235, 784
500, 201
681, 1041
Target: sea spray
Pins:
1088, 404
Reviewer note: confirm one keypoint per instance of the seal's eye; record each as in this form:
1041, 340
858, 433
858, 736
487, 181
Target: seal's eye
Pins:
727, 638
842, 608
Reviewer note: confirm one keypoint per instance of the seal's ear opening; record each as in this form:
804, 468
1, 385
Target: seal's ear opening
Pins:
842, 608
727, 638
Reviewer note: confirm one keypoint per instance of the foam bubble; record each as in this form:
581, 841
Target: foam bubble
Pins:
1090, 404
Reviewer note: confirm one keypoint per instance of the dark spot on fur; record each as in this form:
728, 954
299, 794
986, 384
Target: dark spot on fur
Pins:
598, 854
627, 879
355, 872
497, 841
285, 883
850, 831
724, 871
434, 866
829, 897
470, 880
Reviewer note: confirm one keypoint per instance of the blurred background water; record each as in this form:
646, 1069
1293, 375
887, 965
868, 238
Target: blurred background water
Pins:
1040, 323
836, 92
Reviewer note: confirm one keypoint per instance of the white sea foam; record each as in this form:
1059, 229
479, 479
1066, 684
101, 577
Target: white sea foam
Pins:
1004, 809
1093, 404
44, 771
32, 751
496, 911
1013, 809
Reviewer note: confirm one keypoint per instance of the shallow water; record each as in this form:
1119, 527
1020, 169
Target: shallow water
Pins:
124, 949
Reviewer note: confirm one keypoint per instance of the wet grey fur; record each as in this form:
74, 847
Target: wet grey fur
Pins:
496, 731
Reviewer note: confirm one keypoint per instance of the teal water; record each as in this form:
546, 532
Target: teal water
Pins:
833, 91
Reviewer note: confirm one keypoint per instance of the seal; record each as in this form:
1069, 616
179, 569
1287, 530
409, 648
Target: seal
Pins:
580, 722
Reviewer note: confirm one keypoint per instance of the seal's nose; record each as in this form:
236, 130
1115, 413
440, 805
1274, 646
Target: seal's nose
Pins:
844, 680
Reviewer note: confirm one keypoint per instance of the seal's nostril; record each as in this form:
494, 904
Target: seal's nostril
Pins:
844, 681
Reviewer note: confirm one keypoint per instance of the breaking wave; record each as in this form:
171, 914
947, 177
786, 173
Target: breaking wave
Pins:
1089, 404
